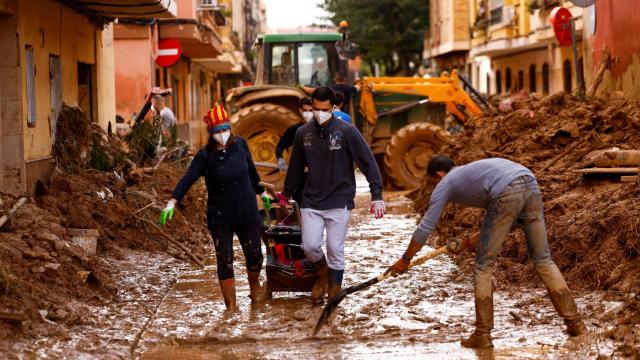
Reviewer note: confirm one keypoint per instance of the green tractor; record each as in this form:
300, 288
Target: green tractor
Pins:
402, 118
264, 111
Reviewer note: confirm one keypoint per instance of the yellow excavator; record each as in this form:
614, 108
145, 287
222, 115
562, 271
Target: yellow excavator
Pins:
406, 120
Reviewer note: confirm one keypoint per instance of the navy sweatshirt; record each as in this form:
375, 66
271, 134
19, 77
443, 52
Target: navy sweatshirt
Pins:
232, 183
329, 153
287, 139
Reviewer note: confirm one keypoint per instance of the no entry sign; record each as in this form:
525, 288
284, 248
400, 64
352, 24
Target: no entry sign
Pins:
169, 52
560, 19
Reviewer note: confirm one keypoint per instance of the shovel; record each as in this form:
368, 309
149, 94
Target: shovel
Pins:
454, 246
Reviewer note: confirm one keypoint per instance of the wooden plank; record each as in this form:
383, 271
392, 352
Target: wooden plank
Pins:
623, 170
632, 178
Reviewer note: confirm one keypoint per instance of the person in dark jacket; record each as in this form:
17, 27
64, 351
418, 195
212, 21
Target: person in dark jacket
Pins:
329, 147
232, 184
287, 141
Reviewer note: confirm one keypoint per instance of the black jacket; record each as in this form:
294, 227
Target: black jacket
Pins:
287, 139
329, 153
232, 183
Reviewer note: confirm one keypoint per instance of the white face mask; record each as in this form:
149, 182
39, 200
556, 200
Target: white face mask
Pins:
222, 137
307, 116
322, 116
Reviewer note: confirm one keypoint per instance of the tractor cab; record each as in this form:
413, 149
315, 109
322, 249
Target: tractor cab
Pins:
299, 59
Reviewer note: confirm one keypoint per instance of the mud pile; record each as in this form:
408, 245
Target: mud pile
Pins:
45, 277
592, 222
101, 184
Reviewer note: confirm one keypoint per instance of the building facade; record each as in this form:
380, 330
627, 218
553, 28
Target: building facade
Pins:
447, 42
610, 28
214, 36
514, 49
54, 52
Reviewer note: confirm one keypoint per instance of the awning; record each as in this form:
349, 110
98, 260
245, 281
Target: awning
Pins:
197, 40
127, 9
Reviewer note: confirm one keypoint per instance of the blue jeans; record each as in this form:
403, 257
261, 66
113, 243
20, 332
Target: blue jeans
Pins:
519, 204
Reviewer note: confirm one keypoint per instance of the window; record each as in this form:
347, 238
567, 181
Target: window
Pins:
566, 75
283, 65
498, 82
85, 90
314, 66
507, 79
532, 78
30, 68
157, 79
545, 78
488, 80
520, 80
311, 64
496, 7
580, 77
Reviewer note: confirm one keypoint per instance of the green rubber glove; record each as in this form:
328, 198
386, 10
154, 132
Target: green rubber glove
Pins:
266, 202
167, 213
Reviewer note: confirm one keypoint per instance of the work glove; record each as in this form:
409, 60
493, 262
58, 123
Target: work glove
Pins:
266, 201
282, 165
282, 199
377, 208
167, 213
399, 267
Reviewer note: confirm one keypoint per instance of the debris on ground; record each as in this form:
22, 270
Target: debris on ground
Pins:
592, 219
53, 247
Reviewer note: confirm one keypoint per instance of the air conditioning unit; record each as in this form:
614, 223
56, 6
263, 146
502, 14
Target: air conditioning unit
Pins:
208, 5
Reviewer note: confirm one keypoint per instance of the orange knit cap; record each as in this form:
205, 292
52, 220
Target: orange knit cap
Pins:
216, 119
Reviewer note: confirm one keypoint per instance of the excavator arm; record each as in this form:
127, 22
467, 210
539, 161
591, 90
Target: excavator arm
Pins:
445, 89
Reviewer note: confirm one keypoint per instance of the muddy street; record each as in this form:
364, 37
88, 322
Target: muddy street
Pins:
423, 313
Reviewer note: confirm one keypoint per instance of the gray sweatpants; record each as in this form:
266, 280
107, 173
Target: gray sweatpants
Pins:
314, 223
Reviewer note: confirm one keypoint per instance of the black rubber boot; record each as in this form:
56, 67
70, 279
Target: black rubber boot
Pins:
335, 282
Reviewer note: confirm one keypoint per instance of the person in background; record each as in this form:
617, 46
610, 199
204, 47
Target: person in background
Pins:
337, 112
167, 119
348, 91
510, 194
329, 147
232, 184
287, 140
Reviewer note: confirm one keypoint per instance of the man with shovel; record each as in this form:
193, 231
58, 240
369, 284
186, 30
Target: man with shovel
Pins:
510, 194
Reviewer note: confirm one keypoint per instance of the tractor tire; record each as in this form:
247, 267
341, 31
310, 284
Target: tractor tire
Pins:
410, 150
262, 125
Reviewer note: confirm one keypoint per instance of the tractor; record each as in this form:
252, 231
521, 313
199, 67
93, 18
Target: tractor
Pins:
402, 119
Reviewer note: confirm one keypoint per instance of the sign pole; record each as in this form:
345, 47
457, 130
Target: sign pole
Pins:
576, 64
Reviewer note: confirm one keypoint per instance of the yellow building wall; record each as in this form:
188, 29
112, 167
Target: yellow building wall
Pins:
460, 20
554, 56
53, 29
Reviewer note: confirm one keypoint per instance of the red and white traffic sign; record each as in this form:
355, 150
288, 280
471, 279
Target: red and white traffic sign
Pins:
560, 19
169, 52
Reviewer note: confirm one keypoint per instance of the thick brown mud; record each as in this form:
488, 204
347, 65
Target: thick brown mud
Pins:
167, 310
